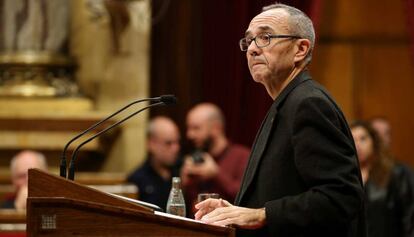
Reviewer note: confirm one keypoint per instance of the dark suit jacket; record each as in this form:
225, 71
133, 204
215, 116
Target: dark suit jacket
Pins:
303, 168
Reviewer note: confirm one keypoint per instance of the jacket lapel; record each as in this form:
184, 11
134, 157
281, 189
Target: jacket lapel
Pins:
262, 137
260, 143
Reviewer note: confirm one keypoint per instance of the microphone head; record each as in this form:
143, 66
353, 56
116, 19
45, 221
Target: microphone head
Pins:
168, 99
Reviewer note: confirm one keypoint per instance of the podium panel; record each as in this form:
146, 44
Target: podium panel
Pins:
61, 207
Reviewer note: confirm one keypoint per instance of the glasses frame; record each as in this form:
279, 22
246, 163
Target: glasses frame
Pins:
270, 37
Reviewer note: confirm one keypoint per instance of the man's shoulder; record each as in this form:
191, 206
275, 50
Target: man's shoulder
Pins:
310, 92
310, 89
140, 173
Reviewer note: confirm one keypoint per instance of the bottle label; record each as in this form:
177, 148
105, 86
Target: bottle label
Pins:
176, 209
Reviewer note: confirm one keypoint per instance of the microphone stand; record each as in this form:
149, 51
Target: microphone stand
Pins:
63, 158
75, 152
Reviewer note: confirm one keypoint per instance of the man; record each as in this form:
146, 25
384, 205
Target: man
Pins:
19, 166
223, 162
403, 177
383, 128
153, 178
302, 178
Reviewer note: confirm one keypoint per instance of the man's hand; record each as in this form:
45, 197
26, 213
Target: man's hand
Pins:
21, 198
185, 172
203, 171
209, 205
221, 212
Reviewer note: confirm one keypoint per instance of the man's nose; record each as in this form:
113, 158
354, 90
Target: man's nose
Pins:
253, 49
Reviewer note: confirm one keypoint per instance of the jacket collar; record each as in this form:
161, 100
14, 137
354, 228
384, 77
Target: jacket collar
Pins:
301, 77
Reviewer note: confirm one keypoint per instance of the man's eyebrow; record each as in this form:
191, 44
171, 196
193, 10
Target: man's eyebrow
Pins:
261, 28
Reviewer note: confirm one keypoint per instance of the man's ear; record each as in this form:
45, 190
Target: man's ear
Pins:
303, 48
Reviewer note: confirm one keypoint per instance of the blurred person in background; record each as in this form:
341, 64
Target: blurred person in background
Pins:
19, 166
383, 128
153, 178
221, 164
389, 187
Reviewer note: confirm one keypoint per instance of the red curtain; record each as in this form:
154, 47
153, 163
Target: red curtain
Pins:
410, 22
226, 80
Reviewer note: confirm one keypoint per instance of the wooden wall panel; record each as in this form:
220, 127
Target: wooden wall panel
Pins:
363, 19
385, 84
336, 75
363, 58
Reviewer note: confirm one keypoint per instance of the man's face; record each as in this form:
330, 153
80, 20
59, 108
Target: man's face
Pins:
198, 130
20, 169
384, 131
277, 59
164, 146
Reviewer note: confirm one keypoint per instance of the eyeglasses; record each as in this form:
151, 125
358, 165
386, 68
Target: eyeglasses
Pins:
262, 40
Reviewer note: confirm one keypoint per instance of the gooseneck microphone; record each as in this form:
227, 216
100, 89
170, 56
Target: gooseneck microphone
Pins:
168, 99
161, 100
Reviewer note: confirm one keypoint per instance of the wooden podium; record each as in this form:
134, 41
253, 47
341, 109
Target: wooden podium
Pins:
60, 207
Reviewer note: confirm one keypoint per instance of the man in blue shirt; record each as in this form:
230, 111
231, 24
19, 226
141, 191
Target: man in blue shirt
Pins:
153, 178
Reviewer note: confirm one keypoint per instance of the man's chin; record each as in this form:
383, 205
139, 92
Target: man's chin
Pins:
168, 165
258, 77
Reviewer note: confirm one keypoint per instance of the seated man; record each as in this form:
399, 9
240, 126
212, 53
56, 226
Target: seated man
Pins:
153, 178
223, 162
19, 166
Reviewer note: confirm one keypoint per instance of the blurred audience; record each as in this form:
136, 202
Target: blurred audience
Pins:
19, 166
153, 178
389, 187
383, 128
217, 166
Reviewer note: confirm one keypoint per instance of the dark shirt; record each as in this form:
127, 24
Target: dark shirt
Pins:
152, 187
8, 202
390, 210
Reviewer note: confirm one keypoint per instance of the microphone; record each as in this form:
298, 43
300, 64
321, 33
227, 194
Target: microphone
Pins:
167, 99
170, 99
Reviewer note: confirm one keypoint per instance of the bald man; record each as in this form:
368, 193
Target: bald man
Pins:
19, 166
153, 178
223, 161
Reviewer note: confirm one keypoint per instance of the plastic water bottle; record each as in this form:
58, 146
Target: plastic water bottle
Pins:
176, 203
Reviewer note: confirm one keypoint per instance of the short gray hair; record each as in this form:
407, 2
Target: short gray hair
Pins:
299, 24
41, 159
